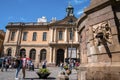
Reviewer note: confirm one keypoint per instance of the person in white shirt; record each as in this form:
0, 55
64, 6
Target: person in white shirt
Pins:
24, 65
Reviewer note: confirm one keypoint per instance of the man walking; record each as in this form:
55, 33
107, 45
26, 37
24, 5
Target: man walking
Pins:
24, 65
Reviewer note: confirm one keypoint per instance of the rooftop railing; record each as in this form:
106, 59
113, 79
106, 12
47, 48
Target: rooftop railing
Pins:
27, 24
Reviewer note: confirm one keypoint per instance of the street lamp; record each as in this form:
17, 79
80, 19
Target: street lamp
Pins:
71, 37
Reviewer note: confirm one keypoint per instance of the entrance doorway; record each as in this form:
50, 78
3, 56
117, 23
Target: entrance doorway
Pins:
60, 56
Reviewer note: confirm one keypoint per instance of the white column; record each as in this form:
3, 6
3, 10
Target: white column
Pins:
76, 35
17, 34
55, 35
77, 52
51, 55
7, 36
52, 35
66, 53
54, 55
37, 58
66, 35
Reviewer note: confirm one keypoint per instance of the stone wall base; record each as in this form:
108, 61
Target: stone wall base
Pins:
96, 72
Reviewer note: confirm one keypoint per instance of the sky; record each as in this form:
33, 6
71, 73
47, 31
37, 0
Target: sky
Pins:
31, 10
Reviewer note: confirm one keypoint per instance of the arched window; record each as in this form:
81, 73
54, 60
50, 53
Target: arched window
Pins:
22, 52
9, 52
32, 54
42, 55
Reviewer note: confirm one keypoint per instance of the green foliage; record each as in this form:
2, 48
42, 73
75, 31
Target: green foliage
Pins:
43, 70
66, 67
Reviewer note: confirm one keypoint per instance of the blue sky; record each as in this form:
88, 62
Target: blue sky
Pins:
30, 10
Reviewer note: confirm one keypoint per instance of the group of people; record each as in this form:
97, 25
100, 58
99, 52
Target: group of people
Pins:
23, 63
18, 63
71, 64
7, 62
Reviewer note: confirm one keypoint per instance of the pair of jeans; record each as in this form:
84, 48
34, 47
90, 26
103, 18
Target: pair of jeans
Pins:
17, 71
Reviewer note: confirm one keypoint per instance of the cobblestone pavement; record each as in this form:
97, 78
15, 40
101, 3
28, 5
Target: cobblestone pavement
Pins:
31, 75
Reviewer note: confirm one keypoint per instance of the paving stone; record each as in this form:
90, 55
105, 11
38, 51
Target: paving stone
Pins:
31, 75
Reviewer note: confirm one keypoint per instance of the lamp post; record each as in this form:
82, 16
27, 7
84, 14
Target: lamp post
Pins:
71, 42
71, 29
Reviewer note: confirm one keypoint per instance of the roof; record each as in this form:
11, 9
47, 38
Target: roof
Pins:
66, 21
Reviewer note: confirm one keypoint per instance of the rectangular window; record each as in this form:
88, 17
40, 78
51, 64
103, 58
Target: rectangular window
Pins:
44, 36
24, 36
34, 36
60, 35
12, 36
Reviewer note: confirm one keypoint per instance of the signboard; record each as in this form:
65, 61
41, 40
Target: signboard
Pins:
73, 54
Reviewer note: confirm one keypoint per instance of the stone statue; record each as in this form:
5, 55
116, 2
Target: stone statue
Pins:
102, 34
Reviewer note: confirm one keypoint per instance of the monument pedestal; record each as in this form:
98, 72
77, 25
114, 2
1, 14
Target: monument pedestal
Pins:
99, 71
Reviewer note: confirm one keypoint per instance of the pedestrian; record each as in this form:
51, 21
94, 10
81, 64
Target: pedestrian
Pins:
6, 65
29, 64
18, 66
44, 64
3, 65
24, 65
61, 65
32, 66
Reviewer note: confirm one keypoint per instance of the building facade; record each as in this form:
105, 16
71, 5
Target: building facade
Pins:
2, 36
52, 41
99, 34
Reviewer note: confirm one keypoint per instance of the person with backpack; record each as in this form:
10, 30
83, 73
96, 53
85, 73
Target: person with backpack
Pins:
18, 66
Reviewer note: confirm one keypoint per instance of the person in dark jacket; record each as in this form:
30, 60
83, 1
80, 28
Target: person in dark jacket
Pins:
18, 65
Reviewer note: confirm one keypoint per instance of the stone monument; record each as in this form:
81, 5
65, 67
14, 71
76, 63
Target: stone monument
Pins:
99, 35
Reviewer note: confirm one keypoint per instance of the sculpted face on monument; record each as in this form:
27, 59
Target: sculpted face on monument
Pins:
102, 33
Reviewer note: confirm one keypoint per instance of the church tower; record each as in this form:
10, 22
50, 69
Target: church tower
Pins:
69, 10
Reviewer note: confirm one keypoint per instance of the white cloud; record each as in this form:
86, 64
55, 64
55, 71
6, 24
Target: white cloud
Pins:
22, 19
10, 17
79, 12
13, 18
78, 1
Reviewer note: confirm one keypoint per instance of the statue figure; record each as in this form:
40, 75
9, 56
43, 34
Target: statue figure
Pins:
102, 34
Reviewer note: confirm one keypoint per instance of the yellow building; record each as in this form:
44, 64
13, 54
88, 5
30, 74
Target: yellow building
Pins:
42, 40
